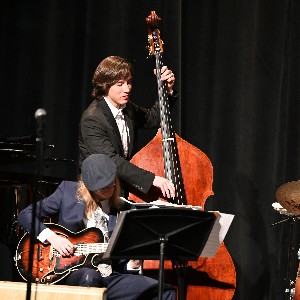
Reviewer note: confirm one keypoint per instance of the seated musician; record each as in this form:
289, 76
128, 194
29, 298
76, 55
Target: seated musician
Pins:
93, 201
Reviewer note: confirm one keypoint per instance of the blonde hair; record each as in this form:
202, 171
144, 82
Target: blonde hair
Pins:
83, 194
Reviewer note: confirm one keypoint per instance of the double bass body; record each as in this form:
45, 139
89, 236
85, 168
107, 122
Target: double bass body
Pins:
207, 278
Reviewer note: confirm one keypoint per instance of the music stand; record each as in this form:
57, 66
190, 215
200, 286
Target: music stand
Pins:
160, 233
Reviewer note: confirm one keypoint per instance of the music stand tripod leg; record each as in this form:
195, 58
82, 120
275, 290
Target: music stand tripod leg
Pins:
163, 241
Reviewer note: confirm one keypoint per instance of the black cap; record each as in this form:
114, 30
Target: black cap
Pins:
98, 171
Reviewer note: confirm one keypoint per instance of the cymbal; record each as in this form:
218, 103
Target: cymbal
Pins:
288, 195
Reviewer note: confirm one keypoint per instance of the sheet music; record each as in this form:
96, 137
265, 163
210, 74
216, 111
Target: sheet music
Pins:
217, 235
159, 203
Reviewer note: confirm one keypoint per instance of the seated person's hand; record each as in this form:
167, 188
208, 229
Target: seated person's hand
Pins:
61, 244
134, 266
135, 263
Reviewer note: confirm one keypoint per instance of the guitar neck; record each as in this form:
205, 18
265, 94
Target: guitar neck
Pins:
85, 249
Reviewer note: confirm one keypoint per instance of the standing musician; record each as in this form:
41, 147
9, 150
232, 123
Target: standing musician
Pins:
107, 126
93, 201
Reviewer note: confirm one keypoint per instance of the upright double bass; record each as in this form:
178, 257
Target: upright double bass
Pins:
192, 174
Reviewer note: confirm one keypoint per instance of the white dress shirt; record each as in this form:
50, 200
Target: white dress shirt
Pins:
123, 128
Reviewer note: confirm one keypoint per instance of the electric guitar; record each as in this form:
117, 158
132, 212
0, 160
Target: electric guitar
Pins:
48, 265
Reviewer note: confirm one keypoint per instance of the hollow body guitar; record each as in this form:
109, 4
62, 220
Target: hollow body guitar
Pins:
191, 172
48, 266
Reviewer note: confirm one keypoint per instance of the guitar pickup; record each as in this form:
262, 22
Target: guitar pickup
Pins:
40, 252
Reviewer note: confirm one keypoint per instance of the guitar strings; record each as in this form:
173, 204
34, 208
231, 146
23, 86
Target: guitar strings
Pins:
83, 249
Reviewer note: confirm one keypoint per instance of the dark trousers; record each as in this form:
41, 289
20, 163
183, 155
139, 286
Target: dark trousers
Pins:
121, 286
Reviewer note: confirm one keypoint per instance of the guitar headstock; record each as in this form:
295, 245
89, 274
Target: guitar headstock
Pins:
155, 43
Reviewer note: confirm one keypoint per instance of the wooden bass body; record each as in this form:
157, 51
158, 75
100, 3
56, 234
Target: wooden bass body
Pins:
207, 278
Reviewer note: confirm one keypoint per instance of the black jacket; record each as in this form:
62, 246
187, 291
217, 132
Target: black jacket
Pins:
98, 133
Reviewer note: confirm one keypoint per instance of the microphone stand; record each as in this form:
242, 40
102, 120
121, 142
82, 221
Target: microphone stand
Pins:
40, 120
291, 219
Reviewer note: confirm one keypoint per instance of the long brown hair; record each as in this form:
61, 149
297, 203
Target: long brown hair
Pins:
83, 194
110, 71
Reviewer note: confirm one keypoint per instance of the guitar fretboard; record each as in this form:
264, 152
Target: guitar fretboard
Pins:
84, 249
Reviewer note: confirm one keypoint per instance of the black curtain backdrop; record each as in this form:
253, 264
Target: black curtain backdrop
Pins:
237, 70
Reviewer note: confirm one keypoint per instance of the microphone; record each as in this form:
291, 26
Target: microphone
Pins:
40, 112
40, 115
